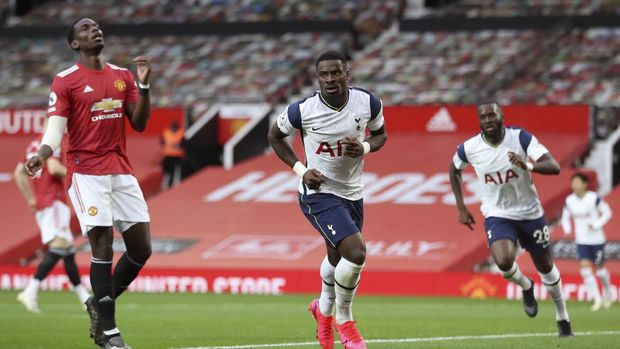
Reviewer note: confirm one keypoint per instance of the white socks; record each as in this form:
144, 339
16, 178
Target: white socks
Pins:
553, 284
81, 292
589, 280
515, 275
346, 279
33, 288
603, 275
328, 294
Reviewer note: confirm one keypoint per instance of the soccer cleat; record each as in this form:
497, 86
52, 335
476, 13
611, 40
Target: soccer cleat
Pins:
564, 328
29, 302
349, 336
115, 342
96, 331
596, 306
324, 324
529, 301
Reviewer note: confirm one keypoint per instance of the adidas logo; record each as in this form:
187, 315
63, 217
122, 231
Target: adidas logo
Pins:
105, 299
88, 89
441, 122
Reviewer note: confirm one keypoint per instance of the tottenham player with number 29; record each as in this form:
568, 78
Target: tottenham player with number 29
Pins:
589, 213
510, 205
333, 123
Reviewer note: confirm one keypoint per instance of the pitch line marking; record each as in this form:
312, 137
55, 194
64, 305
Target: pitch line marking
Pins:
414, 340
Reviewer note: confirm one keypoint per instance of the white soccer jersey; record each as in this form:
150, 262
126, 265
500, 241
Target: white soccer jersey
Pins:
323, 127
507, 191
590, 213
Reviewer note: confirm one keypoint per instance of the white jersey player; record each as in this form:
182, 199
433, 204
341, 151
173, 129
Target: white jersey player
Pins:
333, 124
589, 213
323, 130
510, 205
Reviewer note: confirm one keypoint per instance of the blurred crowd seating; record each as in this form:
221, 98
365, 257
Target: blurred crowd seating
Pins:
581, 66
403, 68
510, 8
559, 66
509, 66
369, 17
440, 67
241, 68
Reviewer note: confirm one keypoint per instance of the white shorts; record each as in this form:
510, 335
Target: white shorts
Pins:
54, 221
107, 200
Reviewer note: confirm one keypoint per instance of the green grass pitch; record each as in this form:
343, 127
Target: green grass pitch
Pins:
154, 321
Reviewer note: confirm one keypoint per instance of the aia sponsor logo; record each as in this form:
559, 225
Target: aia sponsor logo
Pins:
497, 177
332, 151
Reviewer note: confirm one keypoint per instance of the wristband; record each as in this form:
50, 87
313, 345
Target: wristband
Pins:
300, 169
144, 86
529, 166
366, 146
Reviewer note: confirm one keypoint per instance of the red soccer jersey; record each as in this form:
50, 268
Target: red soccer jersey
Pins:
47, 188
94, 102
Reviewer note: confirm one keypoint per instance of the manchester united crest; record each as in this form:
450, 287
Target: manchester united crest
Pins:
120, 85
92, 211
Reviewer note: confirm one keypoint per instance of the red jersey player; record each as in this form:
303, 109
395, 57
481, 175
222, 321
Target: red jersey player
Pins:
92, 99
46, 197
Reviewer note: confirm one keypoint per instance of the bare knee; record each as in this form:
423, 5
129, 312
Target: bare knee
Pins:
504, 263
357, 256
142, 255
353, 249
543, 262
100, 239
102, 251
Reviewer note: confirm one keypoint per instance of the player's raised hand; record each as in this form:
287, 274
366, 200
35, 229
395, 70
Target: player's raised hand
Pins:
34, 165
517, 160
143, 66
352, 147
466, 218
313, 179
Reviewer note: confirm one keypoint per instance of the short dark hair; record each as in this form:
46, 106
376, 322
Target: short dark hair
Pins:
71, 31
488, 103
331, 55
581, 176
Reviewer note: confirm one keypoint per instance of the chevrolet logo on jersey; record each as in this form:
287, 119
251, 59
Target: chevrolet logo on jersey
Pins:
107, 105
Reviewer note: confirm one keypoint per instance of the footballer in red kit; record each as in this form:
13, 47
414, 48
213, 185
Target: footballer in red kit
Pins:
46, 197
91, 100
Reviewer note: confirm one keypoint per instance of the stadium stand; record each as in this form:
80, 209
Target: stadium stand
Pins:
404, 68
117, 11
508, 8
510, 66
368, 17
411, 224
247, 68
